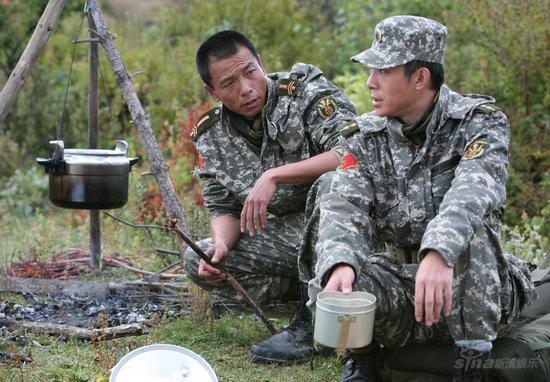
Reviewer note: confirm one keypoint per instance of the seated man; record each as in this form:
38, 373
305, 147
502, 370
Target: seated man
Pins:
260, 151
426, 173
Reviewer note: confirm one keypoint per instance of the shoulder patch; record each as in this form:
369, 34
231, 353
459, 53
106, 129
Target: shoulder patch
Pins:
475, 150
326, 106
205, 121
288, 87
488, 108
349, 128
348, 161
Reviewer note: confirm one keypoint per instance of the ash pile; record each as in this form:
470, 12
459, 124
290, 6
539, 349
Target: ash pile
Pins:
116, 309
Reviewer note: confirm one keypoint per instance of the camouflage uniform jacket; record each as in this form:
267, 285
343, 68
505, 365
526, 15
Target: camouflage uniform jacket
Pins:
417, 197
300, 120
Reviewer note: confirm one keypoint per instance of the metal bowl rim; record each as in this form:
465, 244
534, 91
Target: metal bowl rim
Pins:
176, 348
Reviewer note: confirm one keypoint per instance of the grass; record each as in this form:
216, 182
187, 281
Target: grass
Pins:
224, 343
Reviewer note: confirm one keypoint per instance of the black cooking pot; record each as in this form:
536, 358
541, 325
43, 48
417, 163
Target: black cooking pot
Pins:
88, 178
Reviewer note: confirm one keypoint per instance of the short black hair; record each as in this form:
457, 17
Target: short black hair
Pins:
218, 46
437, 74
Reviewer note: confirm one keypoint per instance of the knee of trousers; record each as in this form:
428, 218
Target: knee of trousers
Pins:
322, 184
191, 259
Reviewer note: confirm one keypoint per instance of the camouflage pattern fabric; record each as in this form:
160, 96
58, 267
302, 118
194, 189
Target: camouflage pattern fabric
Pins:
300, 120
296, 127
401, 39
264, 264
448, 195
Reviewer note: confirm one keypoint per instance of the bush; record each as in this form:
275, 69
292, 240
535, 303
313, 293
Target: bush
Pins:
529, 241
24, 191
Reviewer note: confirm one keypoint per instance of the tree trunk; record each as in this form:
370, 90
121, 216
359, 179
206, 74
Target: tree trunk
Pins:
159, 169
19, 75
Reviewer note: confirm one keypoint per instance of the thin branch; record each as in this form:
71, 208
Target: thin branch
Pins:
114, 262
167, 251
135, 225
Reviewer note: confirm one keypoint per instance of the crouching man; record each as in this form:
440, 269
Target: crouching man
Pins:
260, 151
425, 172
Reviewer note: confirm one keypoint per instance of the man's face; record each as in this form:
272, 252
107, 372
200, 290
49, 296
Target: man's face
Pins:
393, 95
239, 82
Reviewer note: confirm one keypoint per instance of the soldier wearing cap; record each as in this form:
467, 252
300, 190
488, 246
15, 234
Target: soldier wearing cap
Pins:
260, 151
425, 172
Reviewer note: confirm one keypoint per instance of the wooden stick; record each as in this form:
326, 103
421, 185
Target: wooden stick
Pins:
114, 262
167, 251
93, 142
135, 225
158, 285
159, 168
80, 333
20, 73
268, 324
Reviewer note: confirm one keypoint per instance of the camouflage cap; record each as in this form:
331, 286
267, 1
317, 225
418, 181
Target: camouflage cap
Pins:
400, 39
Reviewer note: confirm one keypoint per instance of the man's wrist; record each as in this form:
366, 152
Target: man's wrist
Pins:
272, 175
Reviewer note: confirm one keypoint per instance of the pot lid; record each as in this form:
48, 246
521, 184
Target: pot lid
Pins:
162, 363
93, 161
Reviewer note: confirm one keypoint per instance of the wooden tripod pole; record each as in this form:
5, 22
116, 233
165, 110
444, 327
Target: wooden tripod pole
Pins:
159, 169
20, 73
93, 139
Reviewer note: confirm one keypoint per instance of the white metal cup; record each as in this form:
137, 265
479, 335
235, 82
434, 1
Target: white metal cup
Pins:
344, 321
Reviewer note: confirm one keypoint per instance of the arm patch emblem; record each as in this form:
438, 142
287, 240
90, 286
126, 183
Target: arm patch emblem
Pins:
348, 161
326, 107
475, 150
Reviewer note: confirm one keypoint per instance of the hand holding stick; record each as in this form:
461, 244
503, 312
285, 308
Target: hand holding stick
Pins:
230, 278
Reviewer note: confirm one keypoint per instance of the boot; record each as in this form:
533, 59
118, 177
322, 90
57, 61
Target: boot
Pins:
360, 365
293, 344
470, 360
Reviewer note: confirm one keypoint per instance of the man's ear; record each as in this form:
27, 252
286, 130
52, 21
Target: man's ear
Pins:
423, 78
211, 92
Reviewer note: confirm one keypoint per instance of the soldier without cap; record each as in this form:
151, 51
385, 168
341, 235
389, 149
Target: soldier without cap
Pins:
426, 173
273, 135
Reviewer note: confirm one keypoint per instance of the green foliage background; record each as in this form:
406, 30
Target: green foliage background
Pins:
497, 48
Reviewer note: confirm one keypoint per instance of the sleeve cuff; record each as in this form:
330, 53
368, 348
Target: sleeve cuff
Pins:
447, 257
325, 268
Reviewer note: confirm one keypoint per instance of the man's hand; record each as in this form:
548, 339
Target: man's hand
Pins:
433, 289
341, 279
218, 255
254, 211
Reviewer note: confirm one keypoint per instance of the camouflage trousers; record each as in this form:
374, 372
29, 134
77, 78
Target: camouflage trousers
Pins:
265, 264
490, 289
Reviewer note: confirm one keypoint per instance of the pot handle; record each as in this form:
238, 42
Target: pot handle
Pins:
122, 146
133, 161
53, 166
43, 162
57, 149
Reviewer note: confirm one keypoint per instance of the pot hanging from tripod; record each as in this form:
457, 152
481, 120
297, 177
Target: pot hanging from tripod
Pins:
89, 179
